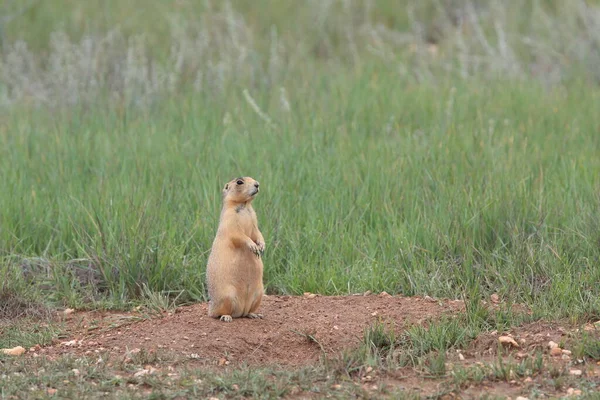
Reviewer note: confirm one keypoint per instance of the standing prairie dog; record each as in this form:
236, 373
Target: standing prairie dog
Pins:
235, 270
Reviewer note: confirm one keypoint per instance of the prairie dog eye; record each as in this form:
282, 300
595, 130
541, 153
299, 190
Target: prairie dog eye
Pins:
240, 182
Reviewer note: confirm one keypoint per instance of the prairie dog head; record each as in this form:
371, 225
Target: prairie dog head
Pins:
240, 190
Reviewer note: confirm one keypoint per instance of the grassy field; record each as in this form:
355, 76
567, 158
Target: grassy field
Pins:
419, 148
406, 188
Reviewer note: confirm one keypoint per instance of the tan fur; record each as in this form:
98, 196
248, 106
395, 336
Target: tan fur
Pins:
235, 270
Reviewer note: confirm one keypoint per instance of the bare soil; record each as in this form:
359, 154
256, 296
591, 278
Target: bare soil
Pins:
298, 331
282, 337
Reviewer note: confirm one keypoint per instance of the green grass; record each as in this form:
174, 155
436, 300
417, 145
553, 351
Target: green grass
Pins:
69, 377
370, 182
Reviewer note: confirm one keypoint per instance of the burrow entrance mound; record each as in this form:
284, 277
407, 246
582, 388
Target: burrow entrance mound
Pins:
295, 330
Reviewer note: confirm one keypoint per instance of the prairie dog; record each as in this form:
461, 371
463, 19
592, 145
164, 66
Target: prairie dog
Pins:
234, 272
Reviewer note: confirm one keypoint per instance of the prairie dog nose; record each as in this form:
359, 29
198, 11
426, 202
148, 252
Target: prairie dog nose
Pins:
256, 184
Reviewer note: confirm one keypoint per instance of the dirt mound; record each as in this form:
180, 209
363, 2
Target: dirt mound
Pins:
282, 337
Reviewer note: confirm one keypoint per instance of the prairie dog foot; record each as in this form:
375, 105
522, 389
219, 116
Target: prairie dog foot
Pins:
254, 316
226, 318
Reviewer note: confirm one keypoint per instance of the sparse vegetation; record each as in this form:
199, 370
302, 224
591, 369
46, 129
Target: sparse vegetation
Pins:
440, 147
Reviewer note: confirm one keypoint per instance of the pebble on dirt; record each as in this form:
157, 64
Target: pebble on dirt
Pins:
576, 372
507, 340
146, 371
556, 351
15, 351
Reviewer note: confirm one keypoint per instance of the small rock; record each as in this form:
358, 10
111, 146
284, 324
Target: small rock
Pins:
223, 362
336, 327
495, 298
15, 351
556, 351
385, 294
68, 311
522, 398
75, 372
573, 392
369, 370
128, 355
235, 387
567, 352
461, 357
565, 357
528, 380
507, 340
70, 343
309, 295
368, 292
146, 371
522, 355
51, 391
430, 299
374, 314
552, 345
337, 386
576, 372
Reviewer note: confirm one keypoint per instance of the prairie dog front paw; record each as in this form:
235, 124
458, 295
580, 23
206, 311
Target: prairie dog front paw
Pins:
254, 248
261, 247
